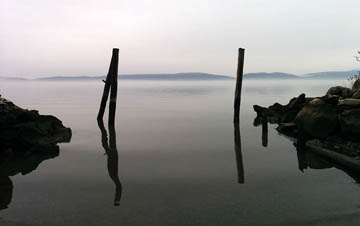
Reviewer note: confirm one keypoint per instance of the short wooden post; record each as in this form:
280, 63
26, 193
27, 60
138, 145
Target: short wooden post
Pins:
301, 159
239, 77
113, 92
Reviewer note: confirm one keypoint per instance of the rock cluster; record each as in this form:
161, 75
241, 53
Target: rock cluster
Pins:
336, 113
333, 119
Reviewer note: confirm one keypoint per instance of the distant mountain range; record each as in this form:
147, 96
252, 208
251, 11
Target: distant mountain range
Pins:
176, 76
273, 75
317, 75
200, 76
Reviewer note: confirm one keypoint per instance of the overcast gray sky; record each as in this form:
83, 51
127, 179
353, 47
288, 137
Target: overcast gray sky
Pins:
75, 37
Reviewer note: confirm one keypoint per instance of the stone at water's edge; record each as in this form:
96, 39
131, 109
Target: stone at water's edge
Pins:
317, 120
278, 113
24, 130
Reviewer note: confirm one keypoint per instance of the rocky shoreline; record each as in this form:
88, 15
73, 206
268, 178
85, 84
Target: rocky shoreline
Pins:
26, 140
327, 125
25, 131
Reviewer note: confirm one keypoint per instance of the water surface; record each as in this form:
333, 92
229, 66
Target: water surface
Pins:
180, 160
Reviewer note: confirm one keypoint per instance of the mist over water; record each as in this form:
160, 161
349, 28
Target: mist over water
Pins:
176, 159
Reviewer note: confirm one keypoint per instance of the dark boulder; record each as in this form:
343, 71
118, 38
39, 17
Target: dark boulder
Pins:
278, 113
340, 91
259, 110
296, 103
25, 130
288, 116
317, 120
349, 121
331, 99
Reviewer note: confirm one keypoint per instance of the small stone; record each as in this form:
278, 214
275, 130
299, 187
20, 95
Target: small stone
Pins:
316, 101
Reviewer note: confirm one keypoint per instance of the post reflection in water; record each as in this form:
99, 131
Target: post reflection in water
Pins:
239, 160
264, 131
112, 158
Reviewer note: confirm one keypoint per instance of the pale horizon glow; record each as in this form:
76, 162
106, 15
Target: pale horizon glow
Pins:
75, 37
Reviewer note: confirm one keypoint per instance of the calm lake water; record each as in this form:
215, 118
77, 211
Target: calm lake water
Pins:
177, 162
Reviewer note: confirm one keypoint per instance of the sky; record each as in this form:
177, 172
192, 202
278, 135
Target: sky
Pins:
75, 37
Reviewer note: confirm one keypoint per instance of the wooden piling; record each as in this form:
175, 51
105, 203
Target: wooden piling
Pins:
113, 63
239, 77
113, 92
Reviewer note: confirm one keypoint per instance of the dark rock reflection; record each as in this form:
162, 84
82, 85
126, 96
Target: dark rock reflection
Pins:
111, 152
306, 159
14, 164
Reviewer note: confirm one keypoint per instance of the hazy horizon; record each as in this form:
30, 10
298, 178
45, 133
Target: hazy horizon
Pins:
174, 73
41, 38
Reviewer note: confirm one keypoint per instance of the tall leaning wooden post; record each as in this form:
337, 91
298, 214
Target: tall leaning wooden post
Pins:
239, 77
111, 82
107, 85
113, 92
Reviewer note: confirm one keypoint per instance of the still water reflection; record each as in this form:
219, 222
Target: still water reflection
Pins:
177, 160
112, 158
19, 164
238, 154
306, 159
